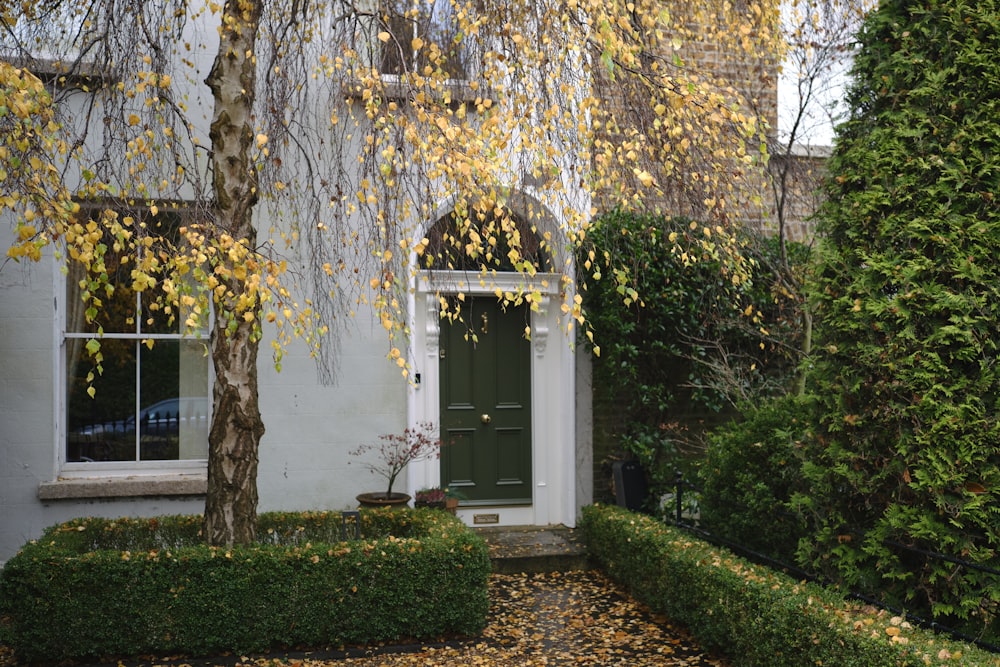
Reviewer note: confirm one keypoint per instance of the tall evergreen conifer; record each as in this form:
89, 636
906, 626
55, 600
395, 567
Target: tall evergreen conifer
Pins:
908, 296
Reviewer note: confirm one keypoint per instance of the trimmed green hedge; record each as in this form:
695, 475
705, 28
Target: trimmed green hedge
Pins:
98, 587
753, 614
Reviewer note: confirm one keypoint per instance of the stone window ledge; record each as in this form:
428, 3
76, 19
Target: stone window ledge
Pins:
84, 74
134, 486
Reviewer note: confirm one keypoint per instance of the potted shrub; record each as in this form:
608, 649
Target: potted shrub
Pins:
437, 498
432, 497
390, 456
451, 499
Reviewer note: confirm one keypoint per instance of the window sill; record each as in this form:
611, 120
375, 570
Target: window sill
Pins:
132, 486
83, 74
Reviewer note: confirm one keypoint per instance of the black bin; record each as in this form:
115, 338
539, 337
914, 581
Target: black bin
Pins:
631, 488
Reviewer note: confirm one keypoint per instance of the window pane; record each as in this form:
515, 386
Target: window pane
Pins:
51, 32
435, 24
118, 311
117, 314
448, 238
397, 53
173, 422
150, 400
165, 226
101, 428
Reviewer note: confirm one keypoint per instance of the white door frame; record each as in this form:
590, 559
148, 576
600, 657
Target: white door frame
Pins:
553, 392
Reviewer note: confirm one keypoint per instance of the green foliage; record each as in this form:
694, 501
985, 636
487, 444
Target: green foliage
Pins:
679, 337
752, 468
754, 615
907, 296
77, 593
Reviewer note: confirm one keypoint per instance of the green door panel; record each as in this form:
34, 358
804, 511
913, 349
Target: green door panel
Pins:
485, 371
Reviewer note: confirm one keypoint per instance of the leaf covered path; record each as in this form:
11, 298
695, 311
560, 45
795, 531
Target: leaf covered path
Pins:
572, 618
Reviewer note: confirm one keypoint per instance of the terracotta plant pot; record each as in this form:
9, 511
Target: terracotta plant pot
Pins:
380, 499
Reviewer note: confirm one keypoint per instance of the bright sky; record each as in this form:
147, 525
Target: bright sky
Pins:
828, 91
816, 126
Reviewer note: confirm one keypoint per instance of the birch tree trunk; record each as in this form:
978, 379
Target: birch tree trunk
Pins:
234, 437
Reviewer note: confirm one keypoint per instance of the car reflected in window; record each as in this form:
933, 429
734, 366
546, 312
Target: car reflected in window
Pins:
162, 425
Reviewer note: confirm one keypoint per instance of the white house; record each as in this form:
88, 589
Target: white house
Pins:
517, 407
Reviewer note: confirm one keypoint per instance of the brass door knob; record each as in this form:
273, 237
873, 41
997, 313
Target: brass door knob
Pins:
485, 419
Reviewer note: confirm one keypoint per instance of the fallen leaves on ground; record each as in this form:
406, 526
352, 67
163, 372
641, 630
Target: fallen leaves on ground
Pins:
568, 618
575, 618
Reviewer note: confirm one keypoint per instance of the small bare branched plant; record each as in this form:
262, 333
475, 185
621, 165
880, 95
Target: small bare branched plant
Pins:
394, 451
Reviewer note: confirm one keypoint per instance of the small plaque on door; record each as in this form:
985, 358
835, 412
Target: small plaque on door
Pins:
479, 519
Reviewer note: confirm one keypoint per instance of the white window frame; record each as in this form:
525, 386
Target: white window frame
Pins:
89, 469
397, 78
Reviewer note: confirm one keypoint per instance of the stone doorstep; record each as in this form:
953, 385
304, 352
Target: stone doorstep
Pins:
531, 549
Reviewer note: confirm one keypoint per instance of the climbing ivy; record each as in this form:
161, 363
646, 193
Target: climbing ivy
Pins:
680, 340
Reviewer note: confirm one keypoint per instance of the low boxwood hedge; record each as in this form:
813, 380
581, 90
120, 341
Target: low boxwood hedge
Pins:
97, 587
752, 614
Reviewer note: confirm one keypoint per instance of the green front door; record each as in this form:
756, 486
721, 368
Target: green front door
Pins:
486, 404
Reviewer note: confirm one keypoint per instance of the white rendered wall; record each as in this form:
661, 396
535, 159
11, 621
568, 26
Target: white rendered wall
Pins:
27, 413
311, 428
